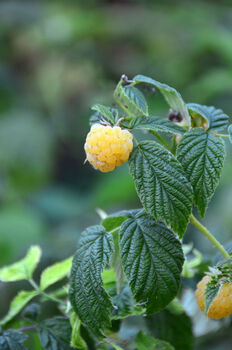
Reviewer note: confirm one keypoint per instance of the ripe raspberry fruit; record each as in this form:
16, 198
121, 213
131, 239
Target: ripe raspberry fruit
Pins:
107, 147
222, 303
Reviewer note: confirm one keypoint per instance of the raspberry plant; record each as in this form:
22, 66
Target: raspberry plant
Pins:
131, 263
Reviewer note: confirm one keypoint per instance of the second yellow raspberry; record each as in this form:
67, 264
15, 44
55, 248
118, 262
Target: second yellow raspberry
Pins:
107, 147
222, 303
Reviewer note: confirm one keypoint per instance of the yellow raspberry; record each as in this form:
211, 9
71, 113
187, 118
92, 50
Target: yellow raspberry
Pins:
222, 303
107, 147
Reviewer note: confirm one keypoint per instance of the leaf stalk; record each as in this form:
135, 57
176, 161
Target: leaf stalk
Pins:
209, 235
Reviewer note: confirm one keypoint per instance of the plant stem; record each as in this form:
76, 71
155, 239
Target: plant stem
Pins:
34, 284
114, 230
174, 145
44, 294
222, 135
116, 260
160, 138
209, 235
28, 328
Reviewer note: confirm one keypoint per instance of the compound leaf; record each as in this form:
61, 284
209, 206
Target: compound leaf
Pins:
23, 269
152, 258
87, 295
55, 273
171, 95
161, 185
202, 156
55, 333
12, 340
17, 304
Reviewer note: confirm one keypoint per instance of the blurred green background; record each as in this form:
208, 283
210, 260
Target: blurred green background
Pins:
57, 58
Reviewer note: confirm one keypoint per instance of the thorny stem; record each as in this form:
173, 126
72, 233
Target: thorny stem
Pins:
209, 235
28, 328
44, 294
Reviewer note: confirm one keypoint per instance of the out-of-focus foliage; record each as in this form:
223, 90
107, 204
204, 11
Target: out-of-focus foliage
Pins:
57, 58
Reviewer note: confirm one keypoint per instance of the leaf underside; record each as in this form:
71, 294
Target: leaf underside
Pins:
87, 295
153, 124
171, 95
202, 157
216, 118
161, 185
133, 99
152, 259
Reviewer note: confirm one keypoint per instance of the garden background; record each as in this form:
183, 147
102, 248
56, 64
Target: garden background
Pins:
57, 58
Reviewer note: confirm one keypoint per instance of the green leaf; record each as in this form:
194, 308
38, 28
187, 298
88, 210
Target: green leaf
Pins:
32, 312
23, 269
174, 328
161, 185
116, 347
97, 116
55, 333
230, 132
171, 95
132, 99
111, 223
211, 291
215, 118
125, 305
17, 304
202, 156
115, 220
109, 278
145, 342
152, 259
87, 295
104, 111
153, 124
12, 340
55, 273
77, 342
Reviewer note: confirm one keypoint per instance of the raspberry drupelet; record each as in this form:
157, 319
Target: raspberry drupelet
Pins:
107, 147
